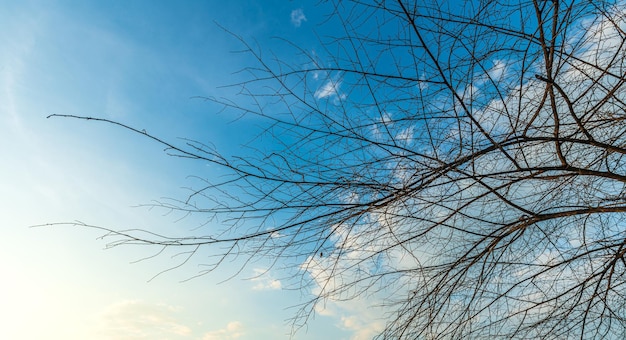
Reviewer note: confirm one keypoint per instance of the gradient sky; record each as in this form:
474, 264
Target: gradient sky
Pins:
140, 63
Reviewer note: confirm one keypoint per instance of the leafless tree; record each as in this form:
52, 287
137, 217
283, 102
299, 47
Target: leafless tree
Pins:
462, 159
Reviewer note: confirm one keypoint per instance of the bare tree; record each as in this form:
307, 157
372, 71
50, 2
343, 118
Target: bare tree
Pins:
462, 159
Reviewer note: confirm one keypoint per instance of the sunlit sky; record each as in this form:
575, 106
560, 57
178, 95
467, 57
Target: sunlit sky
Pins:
140, 63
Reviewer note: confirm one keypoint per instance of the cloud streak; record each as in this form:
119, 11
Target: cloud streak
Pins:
329, 89
264, 281
134, 319
234, 330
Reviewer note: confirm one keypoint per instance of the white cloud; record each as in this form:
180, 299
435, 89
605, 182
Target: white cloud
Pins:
356, 314
276, 234
134, 319
234, 330
386, 119
406, 135
422, 84
498, 70
264, 280
330, 88
382, 126
363, 329
297, 17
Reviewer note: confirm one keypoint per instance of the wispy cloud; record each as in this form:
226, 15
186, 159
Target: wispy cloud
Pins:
297, 17
265, 281
355, 314
330, 88
362, 328
406, 135
234, 330
24, 33
498, 70
134, 319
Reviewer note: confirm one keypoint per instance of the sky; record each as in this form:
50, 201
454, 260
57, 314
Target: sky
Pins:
149, 65
143, 63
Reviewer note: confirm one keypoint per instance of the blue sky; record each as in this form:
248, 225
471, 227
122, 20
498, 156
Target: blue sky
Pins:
140, 63
147, 64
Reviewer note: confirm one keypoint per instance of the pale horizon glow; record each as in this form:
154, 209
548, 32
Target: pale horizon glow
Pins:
140, 63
